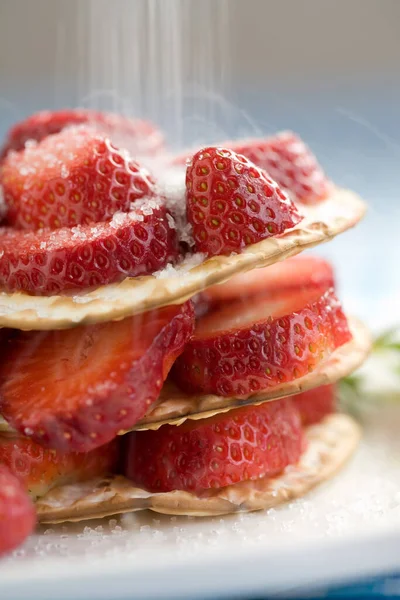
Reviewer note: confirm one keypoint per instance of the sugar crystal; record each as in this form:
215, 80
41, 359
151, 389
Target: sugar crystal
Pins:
190, 261
173, 188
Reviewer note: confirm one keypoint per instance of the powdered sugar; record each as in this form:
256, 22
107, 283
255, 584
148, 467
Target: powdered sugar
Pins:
146, 205
29, 144
82, 299
149, 207
168, 271
172, 186
171, 221
140, 209
189, 262
77, 234
118, 219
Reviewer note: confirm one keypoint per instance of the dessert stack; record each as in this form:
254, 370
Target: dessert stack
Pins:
162, 346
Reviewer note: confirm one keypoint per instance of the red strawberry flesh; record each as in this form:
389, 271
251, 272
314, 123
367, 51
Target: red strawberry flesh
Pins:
287, 160
290, 276
316, 404
41, 469
48, 261
231, 203
138, 136
74, 177
74, 390
244, 444
17, 513
246, 347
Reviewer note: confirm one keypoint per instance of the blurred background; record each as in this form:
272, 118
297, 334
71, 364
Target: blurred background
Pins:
208, 70
214, 69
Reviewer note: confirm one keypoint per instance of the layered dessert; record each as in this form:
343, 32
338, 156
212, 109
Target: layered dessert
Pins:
162, 346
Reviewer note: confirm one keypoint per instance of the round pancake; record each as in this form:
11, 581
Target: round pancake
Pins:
175, 406
322, 222
330, 444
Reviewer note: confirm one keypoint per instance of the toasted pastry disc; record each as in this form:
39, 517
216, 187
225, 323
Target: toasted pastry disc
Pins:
330, 445
132, 296
5, 429
174, 406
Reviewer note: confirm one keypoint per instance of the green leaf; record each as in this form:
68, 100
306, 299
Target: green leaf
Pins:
392, 346
349, 396
353, 394
387, 340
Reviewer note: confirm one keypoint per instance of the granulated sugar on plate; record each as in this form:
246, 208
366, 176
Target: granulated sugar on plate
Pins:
362, 500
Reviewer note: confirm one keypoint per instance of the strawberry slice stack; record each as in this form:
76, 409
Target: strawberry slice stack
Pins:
81, 211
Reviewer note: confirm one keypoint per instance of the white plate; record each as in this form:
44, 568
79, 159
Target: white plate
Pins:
348, 528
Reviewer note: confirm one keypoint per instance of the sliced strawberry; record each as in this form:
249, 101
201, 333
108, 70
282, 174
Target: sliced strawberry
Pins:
231, 203
70, 178
51, 261
139, 137
41, 469
287, 159
288, 277
17, 513
246, 347
74, 390
316, 404
247, 443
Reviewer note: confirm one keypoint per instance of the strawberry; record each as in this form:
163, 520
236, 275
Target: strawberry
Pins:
315, 404
70, 178
74, 390
41, 469
17, 513
245, 347
52, 261
231, 203
287, 277
244, 444
139, 137
287, 159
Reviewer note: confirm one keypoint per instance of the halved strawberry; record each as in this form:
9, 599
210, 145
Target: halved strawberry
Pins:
70, 178
245, 347
51, 261
76, 389
17, 513
316, 404
41, 469
231, 203
247, 443
288, 277
138, 136
287, 159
